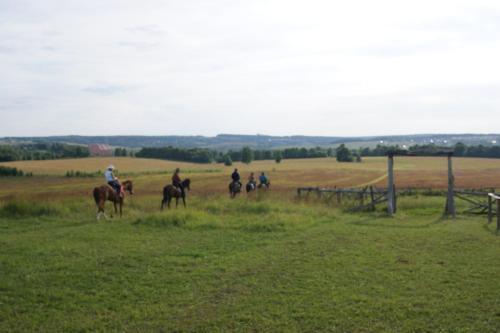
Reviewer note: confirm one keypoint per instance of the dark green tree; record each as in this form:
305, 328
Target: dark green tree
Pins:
344, 154
460, 149
227, 160
278, 156
247, 155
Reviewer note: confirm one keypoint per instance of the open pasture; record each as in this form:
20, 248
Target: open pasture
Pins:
151, 175
266, 262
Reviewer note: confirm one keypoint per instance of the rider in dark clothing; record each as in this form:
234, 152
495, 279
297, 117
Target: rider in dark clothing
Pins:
236, 177
176, 180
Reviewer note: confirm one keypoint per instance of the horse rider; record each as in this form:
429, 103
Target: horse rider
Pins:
264, 181
176, 180
236, 177
251, 180
112, 180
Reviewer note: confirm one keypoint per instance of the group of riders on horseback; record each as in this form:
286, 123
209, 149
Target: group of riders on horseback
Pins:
251, 185
114, 191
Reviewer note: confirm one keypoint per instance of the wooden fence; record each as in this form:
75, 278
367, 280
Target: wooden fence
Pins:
493, 197
366, 198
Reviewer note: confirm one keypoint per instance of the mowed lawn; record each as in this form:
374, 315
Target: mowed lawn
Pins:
264, 262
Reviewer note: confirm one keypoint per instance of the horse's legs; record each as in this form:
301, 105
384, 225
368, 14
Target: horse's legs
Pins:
121, 206
100, 209
176, 201
184, 200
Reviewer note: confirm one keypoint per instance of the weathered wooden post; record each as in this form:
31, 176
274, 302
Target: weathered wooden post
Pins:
372, 197
498, 213
390, 184
490, 208
450, 199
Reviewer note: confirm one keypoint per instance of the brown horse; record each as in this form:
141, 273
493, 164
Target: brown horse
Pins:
106, 192
170, 191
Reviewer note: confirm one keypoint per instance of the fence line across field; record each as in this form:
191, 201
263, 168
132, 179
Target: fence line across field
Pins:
368, 197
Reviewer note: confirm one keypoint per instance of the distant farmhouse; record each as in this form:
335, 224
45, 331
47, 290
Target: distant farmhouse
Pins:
98, 149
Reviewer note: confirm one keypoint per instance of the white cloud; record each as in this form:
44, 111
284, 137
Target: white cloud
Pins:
274, 67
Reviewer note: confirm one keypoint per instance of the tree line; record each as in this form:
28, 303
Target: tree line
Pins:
245, 155
459, 149
44, 151
41, 151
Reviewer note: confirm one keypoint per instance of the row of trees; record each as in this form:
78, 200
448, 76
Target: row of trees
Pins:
13, 172
245, 155
459, 149
122, 152
41, 151
195, 155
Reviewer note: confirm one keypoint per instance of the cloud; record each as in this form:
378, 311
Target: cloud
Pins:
276, 67
106, 89
148, 29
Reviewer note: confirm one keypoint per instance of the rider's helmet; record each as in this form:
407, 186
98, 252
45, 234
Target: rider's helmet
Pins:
111, 167
177, 170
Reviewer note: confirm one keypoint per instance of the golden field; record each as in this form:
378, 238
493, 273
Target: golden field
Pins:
151, 175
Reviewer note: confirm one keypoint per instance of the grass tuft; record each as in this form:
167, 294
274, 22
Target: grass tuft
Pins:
22, 209
164, 220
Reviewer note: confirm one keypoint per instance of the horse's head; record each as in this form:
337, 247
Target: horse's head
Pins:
128, 186
186, 184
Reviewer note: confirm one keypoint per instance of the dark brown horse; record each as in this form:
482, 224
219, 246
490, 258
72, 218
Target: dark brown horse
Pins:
170, 191
106, 192
234, 188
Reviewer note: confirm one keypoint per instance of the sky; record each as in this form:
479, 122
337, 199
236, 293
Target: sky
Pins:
198, 67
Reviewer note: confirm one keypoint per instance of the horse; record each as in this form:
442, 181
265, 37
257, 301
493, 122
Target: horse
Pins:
251, 186
106, 192
264, 186
170, 191
234, 188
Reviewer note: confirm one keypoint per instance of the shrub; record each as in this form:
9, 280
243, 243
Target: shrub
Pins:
10, 172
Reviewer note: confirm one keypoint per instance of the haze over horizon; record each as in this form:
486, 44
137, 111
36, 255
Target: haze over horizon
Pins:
273, 67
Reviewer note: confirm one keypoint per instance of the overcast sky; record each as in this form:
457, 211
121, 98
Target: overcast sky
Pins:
97, 67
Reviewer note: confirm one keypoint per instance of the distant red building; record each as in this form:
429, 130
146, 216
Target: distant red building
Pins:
100, 150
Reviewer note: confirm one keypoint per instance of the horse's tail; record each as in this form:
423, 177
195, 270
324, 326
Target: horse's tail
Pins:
97, 195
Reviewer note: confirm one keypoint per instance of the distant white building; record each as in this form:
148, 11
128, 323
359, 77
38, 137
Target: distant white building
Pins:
99, 149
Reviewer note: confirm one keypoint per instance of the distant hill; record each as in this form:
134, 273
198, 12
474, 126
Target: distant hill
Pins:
225, 142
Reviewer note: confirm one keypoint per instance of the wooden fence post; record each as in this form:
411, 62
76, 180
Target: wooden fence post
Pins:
390, 184
498, 214
450, 198
372, 197
490, 208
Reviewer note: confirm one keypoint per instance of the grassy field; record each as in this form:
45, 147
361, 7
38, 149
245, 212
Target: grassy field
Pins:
266, 262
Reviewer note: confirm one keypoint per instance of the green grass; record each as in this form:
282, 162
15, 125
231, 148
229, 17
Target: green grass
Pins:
262, 264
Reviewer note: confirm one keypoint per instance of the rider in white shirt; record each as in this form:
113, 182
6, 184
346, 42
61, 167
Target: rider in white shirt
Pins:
112, 180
